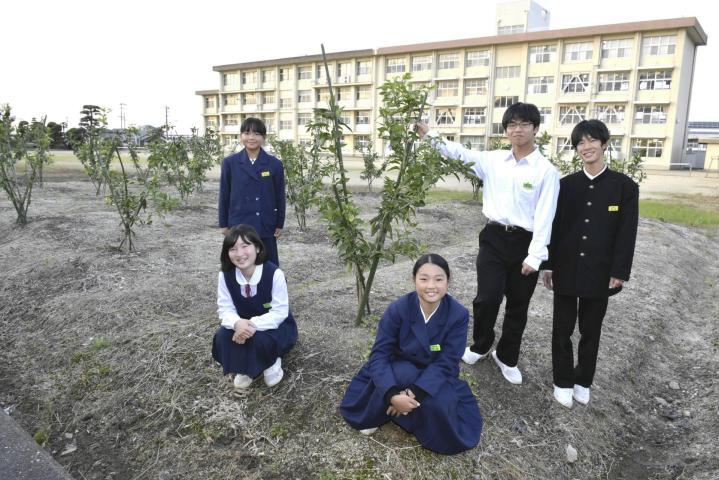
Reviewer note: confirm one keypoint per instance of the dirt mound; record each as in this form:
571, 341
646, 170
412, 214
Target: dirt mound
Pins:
110, 354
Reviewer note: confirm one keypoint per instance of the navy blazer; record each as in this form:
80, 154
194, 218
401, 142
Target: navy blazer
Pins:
403, 338
252, 194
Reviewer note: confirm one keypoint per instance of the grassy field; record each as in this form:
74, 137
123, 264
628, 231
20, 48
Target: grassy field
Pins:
690, 210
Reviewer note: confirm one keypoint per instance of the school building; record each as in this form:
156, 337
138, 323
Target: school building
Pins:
636, 77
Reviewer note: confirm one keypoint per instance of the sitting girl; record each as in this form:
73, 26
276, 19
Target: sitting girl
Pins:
257, 327
411, 377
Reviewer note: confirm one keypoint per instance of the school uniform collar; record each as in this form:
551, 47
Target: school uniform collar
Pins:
254, 279
594, 177
531, 159
253, 171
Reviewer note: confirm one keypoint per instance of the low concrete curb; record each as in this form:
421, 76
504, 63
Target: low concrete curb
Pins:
23, 459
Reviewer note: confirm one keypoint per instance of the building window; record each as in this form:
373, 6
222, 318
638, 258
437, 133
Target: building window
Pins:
578, 52
564, 145
501, 102
285, 102
509, 29
361, 117
659, 45
304, 96
497, 129
363, 92
648, 147
475, 87
655, 80
473, 142
575, 83
343, 94
230, 79
322, 95
364, 67
614, 82
545, 114
268, 97
396, 65
361, 141
542, 53
610, 113
614, 148
572, 114
343, 72
477, 58
540, 84
650, 114
249, 77
232, 120
507, 72
304, 73
249, 99
346, 118
211, 123
617, 48
210, 102
268, 76
445, 116
269, 122
421, 63
304, 118
448, 61
474, 115
285, 124
448, 88
285, 74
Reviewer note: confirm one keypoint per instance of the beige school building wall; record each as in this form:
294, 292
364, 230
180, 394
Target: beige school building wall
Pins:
636, 77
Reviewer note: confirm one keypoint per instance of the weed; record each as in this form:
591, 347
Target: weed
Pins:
42, 436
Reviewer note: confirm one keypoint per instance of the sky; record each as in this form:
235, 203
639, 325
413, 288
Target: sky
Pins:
153, 55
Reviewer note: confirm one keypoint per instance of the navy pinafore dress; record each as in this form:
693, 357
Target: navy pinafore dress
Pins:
261, 350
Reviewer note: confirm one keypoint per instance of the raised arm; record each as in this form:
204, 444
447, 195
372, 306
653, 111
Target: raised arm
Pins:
477, 160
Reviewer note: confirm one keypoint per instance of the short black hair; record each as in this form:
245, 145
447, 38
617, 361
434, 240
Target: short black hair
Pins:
253, 124
595, 129
524, 112
248, 234
432, 258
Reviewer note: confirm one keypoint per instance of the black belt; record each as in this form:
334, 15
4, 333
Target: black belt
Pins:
506, 228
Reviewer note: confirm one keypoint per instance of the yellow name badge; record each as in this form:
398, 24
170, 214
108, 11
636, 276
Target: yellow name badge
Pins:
613, 208
266, 174
435, 348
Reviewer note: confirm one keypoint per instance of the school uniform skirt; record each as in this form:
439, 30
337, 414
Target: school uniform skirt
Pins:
258, 353
447, 423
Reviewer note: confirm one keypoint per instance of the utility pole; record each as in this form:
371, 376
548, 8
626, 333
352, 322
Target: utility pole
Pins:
122, 116
166, 110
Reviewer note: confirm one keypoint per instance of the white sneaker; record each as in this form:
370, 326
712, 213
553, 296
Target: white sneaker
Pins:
512, 374
581, 394
470, 358
242, 381
368, 431
563, 396
274, 374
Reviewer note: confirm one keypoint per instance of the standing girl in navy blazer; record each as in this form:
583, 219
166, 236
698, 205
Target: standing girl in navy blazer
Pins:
412, 374
257, 325
252, 188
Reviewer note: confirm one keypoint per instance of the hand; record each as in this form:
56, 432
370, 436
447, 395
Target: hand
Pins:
421, 128
615, 282
547, 279
244, 329
401, 404
224, 230
526, 269
278, 231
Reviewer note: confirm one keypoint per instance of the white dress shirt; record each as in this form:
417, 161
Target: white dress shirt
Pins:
592, 177
521, 193
279, 306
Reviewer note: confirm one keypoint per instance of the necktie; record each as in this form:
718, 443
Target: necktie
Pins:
248, 290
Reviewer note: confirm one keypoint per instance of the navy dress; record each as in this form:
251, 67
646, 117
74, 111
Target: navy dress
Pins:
261, 350
407, 352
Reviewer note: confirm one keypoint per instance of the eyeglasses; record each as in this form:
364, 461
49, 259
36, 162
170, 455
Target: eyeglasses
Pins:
523, 125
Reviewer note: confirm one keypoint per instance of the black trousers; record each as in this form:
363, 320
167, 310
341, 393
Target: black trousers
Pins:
590, 312
499, 274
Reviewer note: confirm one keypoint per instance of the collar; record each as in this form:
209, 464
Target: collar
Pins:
592, 177
531, 158
254, 280
426, 317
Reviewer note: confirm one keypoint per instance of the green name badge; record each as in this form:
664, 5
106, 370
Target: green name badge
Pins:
435, 348
527, 186
267, 305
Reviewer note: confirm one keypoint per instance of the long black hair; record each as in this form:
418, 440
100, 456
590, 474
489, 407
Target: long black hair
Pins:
248, 234
432, 258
